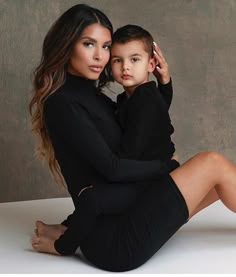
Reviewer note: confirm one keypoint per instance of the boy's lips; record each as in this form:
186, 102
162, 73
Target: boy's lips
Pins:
126, 76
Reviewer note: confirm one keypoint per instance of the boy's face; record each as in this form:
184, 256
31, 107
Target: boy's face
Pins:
131, 64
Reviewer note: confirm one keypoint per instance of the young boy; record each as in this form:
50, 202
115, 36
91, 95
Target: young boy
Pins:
142, 107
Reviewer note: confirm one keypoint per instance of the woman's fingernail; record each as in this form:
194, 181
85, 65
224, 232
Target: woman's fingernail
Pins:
154, 43
154, 52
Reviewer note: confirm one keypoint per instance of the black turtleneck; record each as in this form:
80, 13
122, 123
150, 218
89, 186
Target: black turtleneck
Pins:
86, 139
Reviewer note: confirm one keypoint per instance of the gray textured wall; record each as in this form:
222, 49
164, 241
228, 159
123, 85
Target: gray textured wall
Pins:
199, 42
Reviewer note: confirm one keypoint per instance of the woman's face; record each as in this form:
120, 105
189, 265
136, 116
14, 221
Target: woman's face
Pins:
91, 52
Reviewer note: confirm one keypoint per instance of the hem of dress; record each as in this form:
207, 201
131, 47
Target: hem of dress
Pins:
181, 198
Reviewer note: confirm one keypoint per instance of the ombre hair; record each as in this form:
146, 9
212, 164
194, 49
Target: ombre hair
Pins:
51, 71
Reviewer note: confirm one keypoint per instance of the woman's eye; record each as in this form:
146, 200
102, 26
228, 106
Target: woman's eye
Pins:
107, 47
88, 44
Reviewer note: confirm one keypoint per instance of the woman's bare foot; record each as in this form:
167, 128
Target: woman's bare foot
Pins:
52, 231
44, 244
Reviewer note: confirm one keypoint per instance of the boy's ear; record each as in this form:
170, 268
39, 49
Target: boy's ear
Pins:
152, 65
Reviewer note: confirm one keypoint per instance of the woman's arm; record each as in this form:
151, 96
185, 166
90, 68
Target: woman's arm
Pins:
92, 202
72, 123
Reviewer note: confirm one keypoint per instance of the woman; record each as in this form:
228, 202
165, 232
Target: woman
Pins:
77, 129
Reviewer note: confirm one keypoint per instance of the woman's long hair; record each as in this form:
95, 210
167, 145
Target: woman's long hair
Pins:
50, 74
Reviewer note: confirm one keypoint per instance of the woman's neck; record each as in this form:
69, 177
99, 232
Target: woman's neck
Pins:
71, 71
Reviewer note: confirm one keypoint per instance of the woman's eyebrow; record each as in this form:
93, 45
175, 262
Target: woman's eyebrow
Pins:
89, 38
94, 40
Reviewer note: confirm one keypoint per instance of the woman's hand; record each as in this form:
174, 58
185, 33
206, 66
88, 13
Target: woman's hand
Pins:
175, 157
161, 71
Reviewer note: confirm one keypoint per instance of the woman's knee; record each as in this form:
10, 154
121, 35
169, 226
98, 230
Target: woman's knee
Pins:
212, 157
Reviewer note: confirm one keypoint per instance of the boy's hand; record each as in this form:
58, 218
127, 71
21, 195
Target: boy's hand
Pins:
161, 71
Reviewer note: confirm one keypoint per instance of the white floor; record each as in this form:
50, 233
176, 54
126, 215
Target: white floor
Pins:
207, 244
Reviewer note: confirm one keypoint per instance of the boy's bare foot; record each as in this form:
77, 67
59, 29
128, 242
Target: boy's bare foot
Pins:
52, 231
44, 244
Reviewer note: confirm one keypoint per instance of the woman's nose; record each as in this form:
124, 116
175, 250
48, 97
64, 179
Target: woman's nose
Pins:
97, 54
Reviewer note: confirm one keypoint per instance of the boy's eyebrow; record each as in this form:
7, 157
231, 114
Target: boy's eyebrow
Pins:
94, 40
136, 54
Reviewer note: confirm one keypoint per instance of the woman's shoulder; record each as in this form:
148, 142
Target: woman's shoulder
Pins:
60, 107
67, 93
57, 97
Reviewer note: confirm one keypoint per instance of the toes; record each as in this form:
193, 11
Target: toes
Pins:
35, 246
35, 240
39, 223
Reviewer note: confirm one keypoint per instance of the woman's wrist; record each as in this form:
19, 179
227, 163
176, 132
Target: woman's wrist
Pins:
164, 79
167, 81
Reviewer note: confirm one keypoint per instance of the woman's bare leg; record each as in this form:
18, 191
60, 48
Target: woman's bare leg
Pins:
200, 175
209, 199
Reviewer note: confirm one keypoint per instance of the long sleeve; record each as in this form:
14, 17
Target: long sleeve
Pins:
109, 198
95, 201
72, 123
166, 92
81, 223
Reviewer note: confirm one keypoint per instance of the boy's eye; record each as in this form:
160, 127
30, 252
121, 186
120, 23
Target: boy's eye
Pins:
107, 46
135, 59
88, 44
116, 60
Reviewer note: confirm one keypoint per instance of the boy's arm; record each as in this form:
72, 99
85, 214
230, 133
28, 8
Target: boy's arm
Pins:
162, 75
166, 91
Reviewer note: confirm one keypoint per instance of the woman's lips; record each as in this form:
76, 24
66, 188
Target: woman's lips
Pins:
96, 68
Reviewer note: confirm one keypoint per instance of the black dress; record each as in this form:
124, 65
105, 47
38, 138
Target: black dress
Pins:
86, 139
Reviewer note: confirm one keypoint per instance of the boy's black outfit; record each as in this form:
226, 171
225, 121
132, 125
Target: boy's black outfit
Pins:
146, 124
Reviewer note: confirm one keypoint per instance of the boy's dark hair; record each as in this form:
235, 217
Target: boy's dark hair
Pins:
133, 32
